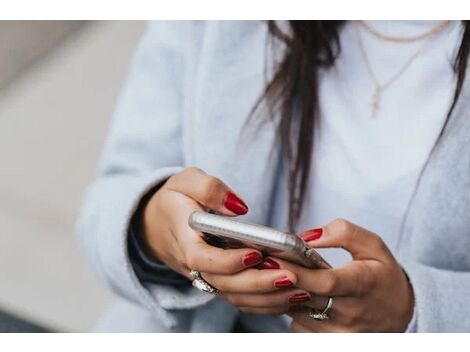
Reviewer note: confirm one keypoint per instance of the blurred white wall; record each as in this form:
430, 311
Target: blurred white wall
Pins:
53, 121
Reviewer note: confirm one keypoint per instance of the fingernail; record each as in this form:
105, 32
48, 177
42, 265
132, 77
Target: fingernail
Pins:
283, 282
312, 235
299, 298
235, 204
252, 259
269, 264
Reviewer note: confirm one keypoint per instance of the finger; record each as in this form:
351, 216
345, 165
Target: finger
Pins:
200, 256
298, 328
205, 258
354, 278
263, 311
303, 321
282, 299
252, 281
341, 307
347, 313
361, 243
207, 190
317, 302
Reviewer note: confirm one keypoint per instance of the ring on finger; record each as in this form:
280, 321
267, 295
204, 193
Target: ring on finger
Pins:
201, 284
323, 314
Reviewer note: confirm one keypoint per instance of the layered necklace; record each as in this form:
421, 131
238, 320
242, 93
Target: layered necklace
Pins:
380, 87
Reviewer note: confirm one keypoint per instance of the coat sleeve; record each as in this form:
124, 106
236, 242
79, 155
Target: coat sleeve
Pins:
143, 147
441, 299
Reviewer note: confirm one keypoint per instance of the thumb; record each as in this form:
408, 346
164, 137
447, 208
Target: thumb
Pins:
207, 190
361, 243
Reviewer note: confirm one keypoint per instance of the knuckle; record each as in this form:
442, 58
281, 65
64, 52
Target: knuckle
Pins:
367, 284
192, 170
182, 176
212, 186
366, 279
330, 285
341, 226
192, 262
378, 243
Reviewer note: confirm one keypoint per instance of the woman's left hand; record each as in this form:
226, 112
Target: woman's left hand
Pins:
370, 294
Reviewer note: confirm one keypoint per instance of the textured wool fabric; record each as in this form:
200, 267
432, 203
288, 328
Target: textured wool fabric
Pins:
190, 89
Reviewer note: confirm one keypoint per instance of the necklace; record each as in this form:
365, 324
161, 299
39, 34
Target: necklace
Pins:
436, 29
379, 88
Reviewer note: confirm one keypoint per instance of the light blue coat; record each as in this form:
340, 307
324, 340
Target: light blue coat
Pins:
189, 92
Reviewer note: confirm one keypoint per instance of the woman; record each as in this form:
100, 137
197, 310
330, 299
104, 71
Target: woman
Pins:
302, 123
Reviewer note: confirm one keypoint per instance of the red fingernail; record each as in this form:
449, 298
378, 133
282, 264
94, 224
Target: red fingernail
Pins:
252, 259
299, 298
269, 264
312, 235
235, 204
283, 282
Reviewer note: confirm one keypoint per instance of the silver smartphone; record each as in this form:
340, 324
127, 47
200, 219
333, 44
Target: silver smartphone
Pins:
226, 232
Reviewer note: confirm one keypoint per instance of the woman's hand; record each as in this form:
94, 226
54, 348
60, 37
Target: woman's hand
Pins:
370, 294
231, 271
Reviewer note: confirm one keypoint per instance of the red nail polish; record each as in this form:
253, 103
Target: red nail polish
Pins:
235, 204
252, 259
312, 235
299, 298
269, 264
283, 282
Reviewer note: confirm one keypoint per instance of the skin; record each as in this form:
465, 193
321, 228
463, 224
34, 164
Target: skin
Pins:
371, 293
173, 242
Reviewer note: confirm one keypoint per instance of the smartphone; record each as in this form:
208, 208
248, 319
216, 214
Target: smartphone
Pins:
226, 232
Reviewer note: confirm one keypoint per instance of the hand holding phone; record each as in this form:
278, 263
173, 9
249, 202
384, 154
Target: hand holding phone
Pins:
225, 232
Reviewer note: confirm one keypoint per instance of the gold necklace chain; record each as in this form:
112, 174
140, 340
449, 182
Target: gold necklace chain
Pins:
436, 29
379, 88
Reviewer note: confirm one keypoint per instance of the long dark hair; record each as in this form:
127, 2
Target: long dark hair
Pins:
291, 95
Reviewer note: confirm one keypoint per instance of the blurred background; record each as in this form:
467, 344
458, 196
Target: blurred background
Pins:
59, 81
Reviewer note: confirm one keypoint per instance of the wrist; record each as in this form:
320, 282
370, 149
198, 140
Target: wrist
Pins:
148, 268
144, 221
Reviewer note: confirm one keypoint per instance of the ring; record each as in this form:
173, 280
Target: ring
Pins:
201, 284
321, 315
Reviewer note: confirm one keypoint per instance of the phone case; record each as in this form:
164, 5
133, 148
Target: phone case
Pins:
225, 232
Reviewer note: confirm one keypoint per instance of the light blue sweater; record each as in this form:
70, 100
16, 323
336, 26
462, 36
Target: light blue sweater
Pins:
190, 89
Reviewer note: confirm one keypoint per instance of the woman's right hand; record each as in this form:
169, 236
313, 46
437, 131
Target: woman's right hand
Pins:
231, 271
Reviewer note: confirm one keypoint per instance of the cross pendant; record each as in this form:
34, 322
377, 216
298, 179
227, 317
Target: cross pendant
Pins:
376, 101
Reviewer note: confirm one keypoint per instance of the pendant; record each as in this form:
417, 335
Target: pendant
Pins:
375, 103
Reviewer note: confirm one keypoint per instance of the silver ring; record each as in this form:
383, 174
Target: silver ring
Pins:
201, 284
321, 315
